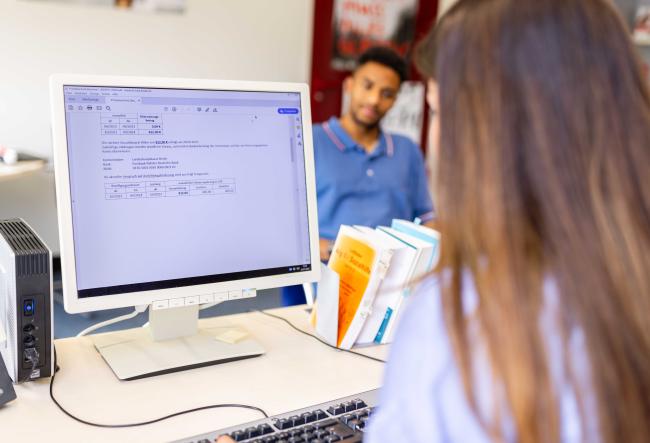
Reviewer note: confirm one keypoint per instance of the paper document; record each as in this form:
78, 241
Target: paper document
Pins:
231, 336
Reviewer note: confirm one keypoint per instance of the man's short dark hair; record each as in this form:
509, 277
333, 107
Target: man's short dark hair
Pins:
387, 57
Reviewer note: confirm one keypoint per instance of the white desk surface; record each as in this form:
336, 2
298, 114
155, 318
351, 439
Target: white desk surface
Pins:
20, 168
297, 371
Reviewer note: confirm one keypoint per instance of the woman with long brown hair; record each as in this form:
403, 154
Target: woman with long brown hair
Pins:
536, 326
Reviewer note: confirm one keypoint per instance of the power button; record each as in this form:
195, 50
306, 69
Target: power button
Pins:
28, 307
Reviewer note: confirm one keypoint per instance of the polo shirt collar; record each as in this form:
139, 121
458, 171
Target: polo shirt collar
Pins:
343, 141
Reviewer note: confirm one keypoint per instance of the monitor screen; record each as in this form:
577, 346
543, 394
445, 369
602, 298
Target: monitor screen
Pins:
177, 187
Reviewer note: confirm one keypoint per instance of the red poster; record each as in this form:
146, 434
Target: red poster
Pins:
360, 24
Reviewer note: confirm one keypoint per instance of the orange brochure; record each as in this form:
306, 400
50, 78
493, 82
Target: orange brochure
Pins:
353, 261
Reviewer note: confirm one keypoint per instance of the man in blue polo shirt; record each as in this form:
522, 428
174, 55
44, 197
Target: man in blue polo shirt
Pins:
364, 175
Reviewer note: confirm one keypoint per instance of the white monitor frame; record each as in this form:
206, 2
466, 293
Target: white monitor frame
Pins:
72, 302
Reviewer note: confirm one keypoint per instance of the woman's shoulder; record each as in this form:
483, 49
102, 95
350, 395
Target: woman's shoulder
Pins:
423, 397
421, 400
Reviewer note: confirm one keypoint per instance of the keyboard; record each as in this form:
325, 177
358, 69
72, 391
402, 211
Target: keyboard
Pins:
342, 420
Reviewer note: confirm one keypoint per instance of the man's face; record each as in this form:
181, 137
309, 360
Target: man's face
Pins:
372, 89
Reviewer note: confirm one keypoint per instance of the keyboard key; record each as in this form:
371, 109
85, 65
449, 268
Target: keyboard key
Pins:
309, 417
320, 414
283, 424
326, 423
358, 403
238, 436
340, 430
297, 420
349, 406
295, 440
336, 409
346, 418
354, 424
265, 429
332, 438
271, 439
252, 432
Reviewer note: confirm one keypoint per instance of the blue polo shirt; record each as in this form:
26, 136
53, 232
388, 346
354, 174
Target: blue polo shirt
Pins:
357, 188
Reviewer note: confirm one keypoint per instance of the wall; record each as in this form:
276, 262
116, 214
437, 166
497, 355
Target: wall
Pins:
628, 8
444, 5
628, 11
229, 39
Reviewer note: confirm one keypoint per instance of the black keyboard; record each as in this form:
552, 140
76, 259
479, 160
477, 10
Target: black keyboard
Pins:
342, 420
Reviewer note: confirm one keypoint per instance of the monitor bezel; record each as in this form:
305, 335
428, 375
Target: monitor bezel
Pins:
72, 302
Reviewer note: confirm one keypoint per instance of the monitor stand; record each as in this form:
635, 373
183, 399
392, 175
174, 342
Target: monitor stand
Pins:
171, 342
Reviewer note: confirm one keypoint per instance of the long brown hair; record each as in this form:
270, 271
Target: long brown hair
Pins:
544, 177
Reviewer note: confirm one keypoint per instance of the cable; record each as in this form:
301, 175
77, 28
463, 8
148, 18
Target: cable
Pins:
31, 354
138, 310
148, 422
319, 339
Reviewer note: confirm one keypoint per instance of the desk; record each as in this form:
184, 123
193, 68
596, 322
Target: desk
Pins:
20, 168
297, 371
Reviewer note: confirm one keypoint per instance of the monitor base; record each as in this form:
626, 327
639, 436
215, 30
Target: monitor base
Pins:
134, 354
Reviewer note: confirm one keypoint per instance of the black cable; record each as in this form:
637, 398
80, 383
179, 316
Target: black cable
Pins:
319, 339
130, 425
32, 355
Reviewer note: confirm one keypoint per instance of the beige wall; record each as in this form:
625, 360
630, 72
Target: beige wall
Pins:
444, 5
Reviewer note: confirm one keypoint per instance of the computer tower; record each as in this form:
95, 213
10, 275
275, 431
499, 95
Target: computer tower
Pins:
25, 302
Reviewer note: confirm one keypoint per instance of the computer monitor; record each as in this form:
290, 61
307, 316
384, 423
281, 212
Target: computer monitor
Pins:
173, 193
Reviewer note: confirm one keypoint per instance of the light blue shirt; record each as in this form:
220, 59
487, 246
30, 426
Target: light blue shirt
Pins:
423, 399
357, 188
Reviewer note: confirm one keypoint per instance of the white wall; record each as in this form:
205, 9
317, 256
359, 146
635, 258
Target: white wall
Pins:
228, 39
